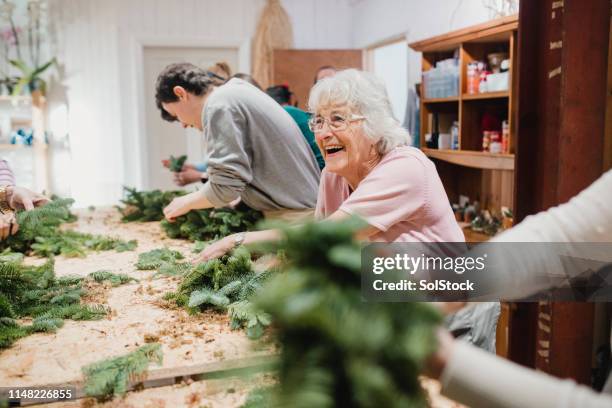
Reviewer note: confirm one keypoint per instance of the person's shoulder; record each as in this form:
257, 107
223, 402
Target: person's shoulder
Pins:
406, 155
233, 90
296, 113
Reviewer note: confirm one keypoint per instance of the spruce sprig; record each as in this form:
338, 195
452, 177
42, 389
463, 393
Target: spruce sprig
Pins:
144, 206
336, 349
212, 224
110, 377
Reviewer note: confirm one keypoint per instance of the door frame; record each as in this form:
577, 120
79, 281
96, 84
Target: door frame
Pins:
138, 45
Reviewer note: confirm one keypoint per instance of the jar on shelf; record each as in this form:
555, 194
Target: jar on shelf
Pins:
495, 145
505, 137
486, 140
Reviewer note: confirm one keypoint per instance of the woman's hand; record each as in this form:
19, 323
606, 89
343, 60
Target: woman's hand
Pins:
187, 176
216, 249
182, 205
8, 225
20, 198
179, 206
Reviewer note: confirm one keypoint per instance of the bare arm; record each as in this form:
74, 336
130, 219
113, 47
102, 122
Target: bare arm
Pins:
226, 244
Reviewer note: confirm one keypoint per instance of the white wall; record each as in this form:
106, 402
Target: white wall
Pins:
99, 43
320, 23
376, 20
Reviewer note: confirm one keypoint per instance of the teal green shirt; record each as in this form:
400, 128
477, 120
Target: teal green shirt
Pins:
301, 118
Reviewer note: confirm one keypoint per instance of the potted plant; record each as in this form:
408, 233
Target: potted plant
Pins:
27, 63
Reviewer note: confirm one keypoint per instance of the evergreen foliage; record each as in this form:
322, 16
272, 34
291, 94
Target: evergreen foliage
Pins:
39, 233
110, 377
145, 206
225, 284
336, 349
212, 224
158, 257
114, 278
176, 163
34, 291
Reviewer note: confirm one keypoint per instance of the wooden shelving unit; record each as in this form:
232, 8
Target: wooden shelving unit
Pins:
482, 176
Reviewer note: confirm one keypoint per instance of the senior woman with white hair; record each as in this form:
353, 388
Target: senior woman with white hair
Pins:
370, 170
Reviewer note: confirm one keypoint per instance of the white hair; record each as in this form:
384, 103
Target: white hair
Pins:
366, 95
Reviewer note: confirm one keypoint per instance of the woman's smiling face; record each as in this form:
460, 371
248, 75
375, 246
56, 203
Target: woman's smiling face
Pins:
345, 150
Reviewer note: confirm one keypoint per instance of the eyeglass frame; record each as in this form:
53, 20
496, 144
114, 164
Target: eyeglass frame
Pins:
353, 118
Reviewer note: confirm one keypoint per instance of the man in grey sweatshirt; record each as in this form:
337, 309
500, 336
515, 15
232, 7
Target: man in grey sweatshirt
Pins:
255, 150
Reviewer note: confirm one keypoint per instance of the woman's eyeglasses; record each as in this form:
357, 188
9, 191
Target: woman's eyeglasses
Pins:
336, 123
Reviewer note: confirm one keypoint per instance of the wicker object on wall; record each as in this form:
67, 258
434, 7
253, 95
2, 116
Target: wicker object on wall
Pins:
273, 31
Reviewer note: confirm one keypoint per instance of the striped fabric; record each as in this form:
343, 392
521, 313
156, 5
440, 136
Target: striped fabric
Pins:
6, 174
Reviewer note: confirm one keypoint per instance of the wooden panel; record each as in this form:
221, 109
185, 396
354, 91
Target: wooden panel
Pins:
297, 68
501, 342
607, 159
561, 127
497, 187
496, 30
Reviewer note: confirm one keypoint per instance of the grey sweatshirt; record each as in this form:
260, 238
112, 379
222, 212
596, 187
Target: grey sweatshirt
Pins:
256, 151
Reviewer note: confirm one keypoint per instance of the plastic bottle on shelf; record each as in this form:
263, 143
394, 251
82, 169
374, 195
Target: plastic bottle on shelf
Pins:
455, 136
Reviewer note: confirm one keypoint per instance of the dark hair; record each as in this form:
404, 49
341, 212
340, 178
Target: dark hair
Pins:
321, 68
248, 78
195, 80
280, 93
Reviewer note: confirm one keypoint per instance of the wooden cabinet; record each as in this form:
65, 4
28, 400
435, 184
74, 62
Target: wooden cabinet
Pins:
482, 176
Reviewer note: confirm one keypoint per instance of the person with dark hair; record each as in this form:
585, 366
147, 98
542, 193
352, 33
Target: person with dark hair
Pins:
282, 95
324, 72
220, 72
255, 151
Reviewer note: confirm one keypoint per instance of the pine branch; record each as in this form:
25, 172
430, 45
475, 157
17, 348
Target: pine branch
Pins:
34, 291
110, 377
157, 257
176, 163
113, 278
39, 233
144, 206
212, 224
337, 350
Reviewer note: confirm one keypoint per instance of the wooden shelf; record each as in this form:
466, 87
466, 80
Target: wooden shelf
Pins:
496, 30
474, 159
442, 100
485, 95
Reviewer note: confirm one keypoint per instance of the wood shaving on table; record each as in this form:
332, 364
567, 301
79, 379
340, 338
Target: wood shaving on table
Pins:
135, 311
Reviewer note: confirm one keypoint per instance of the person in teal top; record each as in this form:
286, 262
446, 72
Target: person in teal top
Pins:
282, 95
